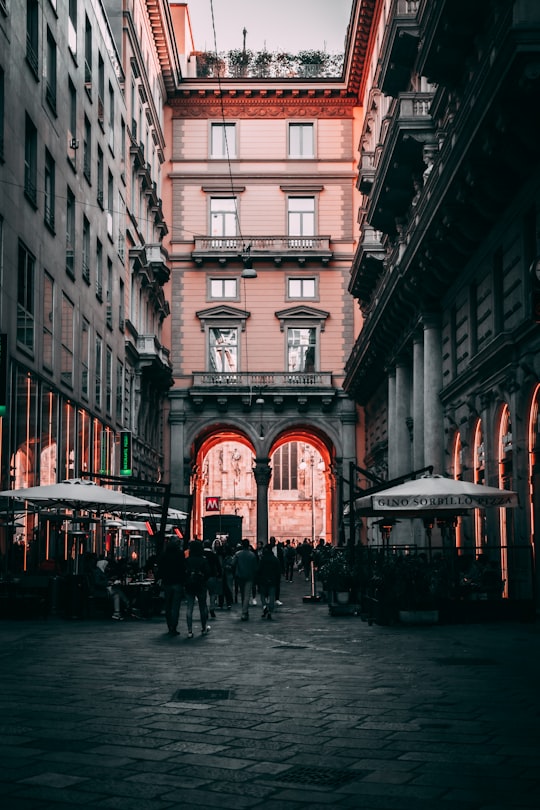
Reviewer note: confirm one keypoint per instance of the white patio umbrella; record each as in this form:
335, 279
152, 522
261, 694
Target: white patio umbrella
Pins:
79, 494
434, 495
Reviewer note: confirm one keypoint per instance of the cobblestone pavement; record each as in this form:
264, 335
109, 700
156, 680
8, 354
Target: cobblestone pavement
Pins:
308, 711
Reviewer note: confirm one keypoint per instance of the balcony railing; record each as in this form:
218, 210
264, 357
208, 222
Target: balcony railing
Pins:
274, 248
262, 380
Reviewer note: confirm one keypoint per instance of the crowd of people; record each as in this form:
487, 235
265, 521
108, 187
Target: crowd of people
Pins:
214, 575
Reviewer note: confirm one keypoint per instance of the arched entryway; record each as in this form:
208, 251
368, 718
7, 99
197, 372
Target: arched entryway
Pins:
295, 481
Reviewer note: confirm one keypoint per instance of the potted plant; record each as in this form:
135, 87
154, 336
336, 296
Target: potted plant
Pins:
239, 61
336, 575
262, 63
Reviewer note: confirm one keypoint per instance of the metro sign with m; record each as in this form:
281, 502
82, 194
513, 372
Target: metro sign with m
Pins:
212, 504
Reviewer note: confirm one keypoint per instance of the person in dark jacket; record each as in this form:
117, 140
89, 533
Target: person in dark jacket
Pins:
172, 572
215, 583
268, 578
245, 564
197, 574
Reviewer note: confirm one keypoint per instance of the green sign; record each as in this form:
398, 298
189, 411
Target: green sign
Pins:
125, 453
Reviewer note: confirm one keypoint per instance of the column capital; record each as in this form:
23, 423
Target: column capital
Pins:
262, 471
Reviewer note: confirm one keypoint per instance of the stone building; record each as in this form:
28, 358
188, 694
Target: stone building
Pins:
446, 367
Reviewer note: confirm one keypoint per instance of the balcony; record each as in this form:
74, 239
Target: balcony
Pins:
367, 265
157, 258
399, 48
401, 163
271, 248
276, 387
149, 358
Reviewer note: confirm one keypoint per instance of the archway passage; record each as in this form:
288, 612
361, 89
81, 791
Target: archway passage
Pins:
300, 485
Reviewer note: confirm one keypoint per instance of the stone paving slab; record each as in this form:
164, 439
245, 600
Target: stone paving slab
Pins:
309, 711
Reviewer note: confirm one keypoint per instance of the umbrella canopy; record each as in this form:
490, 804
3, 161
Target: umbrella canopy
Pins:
434, 495
79, 494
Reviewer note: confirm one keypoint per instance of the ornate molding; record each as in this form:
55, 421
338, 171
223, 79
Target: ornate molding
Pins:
248, 106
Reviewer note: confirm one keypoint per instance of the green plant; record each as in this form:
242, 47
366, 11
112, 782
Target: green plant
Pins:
336, 573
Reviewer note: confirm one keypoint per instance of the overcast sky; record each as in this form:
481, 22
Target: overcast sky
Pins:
288, 25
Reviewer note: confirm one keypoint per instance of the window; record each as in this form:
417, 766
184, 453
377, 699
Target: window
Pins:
101, 91
223, 140
48, 321
301, 221
109, 294
30, 162
301, 346
72, 27
301, 288
85, 357
66, 351
88, 57
110, 203
285, 467
32, 35
119, 390
223, 220
223, 349
49, 196
111, 117
99, 270
72, 133
301, 141
121, 306
87, 149
86, 251
50, 86
70, 233
25, 297
98, 361
99, 172
108, 380
2, 103
223, 288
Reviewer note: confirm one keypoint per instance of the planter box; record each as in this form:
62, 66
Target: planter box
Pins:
419, 616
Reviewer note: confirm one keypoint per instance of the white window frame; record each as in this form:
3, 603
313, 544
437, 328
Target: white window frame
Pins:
301, 140
302, 327
301, 220
302, 282
223, 215
222, 140
223, 282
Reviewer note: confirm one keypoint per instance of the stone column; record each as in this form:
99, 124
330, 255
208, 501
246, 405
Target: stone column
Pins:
262, 473
392, 455
418, 402
433, 412
177, 422
402, 439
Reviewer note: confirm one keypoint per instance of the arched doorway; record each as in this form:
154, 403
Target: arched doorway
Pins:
226, 480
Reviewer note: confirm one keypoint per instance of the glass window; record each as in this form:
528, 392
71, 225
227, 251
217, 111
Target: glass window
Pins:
98, 371
72, 27
301, 141
85, 357
50, 86
301, 220
48, 321
223, 219
32, 34
285, 467
223, 349
101, 90
108, 380
99, 270
301, 288
99, 170
66, 360
49, 196
2, 107
87, 149
25, 297
224, 288
111, 117
301, 345
86, 250
223, 140
70, 233
30, 161
88, 56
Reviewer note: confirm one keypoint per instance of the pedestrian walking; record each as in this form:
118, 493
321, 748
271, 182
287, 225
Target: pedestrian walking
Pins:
290, 559
227, 577
245, 565
215, 584
268, 578
197, 574
172, 572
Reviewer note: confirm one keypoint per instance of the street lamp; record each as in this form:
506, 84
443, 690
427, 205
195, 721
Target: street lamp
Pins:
303, 466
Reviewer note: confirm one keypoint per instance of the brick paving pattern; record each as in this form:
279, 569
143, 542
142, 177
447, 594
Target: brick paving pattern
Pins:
310, 711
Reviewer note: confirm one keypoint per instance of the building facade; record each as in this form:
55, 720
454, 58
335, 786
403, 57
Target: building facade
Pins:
446, 366
82, 266
262, 198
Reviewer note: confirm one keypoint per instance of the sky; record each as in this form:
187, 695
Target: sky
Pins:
277, 25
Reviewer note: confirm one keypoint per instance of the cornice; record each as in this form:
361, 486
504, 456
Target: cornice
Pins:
259, 104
